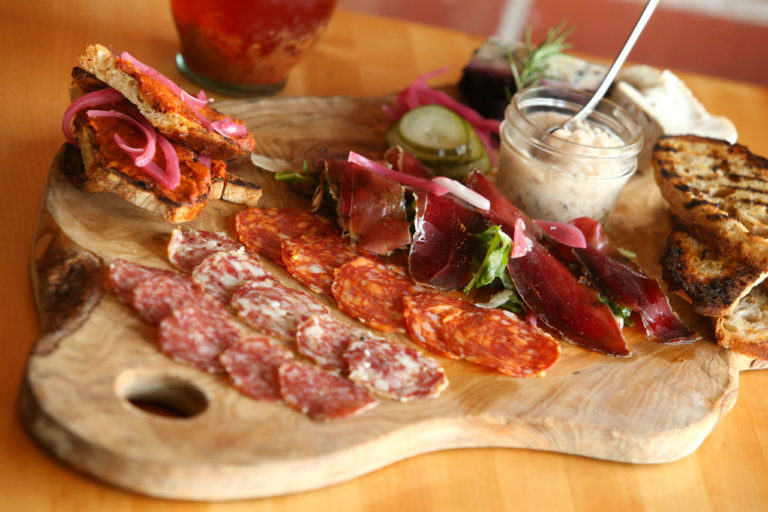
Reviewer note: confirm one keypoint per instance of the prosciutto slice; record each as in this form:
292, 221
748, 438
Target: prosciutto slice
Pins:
547, 287
371, 208
625, 283
442, 247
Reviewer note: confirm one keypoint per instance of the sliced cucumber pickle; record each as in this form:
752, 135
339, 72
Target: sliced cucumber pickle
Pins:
435, 130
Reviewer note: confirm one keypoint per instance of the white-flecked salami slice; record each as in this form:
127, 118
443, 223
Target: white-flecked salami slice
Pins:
252, 365
424, 315
323, 340
321, 395
124, 276
372, 292
394, 371
262, 230
312, 260
197, 337
222, 273
188, 248
159, 296
500, 340
273, 308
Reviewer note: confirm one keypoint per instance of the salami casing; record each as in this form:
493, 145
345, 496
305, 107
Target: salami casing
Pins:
321, 395
273, 308
197, 337
394, 371
252, 365
188, 248
262, 230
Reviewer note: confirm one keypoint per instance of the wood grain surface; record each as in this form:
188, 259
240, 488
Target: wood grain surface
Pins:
96, 359
364, 56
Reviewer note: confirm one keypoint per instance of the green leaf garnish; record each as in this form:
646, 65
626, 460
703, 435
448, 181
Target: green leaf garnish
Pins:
618, 311
632, 255
297, 177
493, 255
529, 62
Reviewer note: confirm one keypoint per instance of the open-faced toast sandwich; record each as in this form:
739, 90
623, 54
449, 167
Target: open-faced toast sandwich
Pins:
144, 138
716, 256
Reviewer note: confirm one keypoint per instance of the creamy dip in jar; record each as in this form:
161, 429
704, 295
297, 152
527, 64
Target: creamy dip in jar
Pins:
574, 172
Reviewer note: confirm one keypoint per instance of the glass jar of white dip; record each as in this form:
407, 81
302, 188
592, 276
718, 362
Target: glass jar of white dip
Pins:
569, 173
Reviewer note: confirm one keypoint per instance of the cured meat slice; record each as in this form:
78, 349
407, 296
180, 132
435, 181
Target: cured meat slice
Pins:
262, 230
196, 337
124, 276
252, 365
273, 308
188, 248
321, 395
372, 292
159, 296
323, 339
394, 371
424, 314
500, 340
312, 260
222, 273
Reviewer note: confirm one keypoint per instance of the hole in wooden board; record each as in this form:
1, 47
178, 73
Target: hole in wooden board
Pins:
168, 396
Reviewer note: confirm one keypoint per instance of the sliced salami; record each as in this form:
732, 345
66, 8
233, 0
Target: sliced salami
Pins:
262, 230
323, 339
500, 340
188, 248
312, 260
222, 273
424, 315
252, 365
159, 296
394, 371
321, 395
273, 308
197, 337
372, 292
124, 276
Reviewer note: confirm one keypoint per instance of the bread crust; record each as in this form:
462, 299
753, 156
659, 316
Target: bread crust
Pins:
162, 107
719, 191
745, 329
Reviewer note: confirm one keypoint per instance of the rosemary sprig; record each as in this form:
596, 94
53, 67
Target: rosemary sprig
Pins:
529, 63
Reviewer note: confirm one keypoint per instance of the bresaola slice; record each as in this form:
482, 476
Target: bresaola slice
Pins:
625, 283
273, 308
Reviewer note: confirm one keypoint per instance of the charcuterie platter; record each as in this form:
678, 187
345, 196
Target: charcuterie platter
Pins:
97, 393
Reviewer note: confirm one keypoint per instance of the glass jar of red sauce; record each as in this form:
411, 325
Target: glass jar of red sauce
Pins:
246, 47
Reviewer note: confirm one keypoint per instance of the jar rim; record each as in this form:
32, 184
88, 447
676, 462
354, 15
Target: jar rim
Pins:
608, 115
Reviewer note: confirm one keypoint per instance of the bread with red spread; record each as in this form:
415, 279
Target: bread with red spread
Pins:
164, 108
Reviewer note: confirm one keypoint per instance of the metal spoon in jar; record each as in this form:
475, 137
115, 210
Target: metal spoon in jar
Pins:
613, 71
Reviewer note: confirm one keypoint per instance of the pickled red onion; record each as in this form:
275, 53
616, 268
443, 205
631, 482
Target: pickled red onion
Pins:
467, 195
171, 176
141, 156
226, 126
521, 245
205, 160
561, 232
402, 178
92, 99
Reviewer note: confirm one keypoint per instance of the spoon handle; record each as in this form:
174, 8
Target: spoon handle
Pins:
616, 66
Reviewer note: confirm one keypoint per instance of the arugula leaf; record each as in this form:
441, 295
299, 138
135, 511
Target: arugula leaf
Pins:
632, 255
494, 249
618, 311
297, 177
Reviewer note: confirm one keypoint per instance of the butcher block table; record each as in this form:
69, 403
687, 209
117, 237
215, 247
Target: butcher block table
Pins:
360, 56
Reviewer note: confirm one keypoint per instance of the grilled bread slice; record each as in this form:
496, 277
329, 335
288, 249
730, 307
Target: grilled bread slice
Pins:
745, 329
163, 108
712, 283
719, 191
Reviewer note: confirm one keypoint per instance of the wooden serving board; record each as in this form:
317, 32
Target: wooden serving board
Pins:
96, 363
